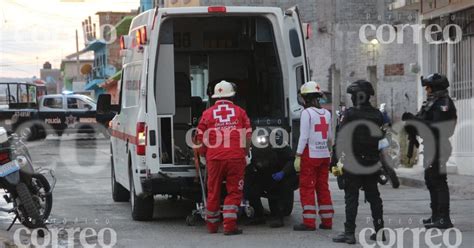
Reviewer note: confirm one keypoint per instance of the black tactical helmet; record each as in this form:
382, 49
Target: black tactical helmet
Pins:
435, 81
361, 86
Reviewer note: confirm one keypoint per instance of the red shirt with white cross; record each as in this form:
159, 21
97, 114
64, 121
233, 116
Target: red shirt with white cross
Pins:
223, 130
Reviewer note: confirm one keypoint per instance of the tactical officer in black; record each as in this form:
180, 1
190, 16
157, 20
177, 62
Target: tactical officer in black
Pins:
357, 138
435, 124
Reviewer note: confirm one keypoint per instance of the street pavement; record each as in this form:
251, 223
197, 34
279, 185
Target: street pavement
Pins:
82, 201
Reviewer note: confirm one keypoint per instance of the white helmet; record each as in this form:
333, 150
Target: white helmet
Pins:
310, 87
223, 89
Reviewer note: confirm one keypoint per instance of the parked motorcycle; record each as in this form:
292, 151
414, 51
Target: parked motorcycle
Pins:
387, 173
394, 146
28, 190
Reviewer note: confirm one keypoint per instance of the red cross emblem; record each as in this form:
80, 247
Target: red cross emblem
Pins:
223, 113
220, 90
317, 87
323, 127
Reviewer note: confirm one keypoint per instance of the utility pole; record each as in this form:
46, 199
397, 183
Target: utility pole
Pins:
77, 58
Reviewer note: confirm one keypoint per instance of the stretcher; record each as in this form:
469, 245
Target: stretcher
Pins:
199, 213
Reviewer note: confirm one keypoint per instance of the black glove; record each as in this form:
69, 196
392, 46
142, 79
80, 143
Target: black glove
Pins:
407, 116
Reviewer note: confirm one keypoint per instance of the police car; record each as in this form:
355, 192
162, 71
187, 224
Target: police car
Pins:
171, 56
33, 117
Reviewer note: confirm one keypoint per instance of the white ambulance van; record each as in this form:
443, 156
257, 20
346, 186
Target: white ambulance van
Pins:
172, 57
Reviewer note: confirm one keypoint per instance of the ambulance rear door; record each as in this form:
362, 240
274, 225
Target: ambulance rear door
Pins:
297, 66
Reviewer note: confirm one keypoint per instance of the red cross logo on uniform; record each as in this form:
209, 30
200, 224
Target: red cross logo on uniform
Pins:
323, 127
223, 113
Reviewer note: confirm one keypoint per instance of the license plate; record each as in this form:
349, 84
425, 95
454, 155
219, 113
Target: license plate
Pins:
9, 168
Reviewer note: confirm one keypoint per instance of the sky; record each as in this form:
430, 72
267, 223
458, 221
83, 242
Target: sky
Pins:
35, 31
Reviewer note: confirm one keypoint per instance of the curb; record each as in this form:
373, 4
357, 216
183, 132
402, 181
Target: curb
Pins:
459, 190
411, 182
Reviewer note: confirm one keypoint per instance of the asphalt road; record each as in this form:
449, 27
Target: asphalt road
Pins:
83, 202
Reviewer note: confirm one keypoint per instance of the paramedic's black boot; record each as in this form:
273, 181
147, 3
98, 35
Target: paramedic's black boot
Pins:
234, 232
345, 237
303, 227
276, 223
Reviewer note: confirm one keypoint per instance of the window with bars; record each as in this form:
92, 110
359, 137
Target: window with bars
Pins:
461, 60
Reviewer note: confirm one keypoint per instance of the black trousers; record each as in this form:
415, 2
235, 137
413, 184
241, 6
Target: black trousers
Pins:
256, 185
437, 184
353, 184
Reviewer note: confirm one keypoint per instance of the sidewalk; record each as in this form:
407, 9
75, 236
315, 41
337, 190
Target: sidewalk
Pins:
6, 239
458, 184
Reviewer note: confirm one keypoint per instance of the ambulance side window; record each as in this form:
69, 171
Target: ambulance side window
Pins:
131, 87
295, 43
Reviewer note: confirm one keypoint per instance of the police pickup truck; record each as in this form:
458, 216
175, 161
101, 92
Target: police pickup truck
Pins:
34, 117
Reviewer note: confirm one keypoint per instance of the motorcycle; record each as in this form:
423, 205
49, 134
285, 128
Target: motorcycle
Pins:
387, 173
393, 149
27, 190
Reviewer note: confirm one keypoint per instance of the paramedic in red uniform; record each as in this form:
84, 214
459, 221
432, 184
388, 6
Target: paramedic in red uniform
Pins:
226, 132
313, 155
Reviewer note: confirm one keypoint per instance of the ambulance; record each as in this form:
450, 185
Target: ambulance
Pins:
172, 58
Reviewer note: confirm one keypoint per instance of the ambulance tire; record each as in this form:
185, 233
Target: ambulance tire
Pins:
142, 206
119, 193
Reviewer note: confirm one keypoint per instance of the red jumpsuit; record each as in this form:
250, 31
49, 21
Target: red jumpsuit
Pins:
315, 131
223, 129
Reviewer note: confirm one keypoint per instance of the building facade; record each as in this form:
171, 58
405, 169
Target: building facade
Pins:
103, 41
447, 47
52, 78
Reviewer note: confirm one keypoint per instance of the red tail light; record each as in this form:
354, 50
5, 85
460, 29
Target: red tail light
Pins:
141, 138
122, 42
141, 36
217, 9
4, 156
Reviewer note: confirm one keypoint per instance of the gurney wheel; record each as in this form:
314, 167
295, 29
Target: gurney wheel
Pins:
191, 220
249, 211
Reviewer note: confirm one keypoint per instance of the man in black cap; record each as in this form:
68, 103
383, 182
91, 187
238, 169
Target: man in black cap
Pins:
435, 123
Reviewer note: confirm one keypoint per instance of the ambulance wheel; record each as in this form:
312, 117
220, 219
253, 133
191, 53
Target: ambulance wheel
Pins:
142, 206
119, 193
